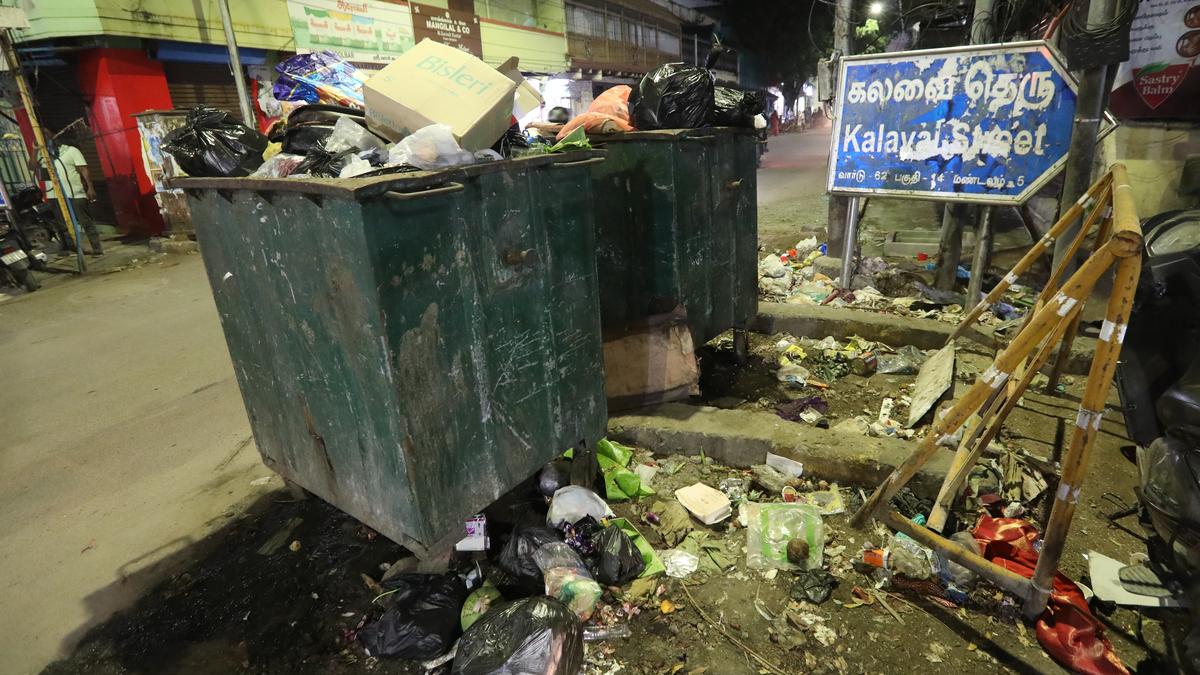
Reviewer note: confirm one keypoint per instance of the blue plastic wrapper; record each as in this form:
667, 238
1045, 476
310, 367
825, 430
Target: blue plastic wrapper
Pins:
319, 77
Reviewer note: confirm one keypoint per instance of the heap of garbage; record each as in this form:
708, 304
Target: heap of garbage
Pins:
579, 572
884, 286
326, 118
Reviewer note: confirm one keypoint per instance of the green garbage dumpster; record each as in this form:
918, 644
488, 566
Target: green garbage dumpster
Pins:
677, 225
411, 347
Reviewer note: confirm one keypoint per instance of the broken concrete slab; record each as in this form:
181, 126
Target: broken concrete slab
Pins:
742, 438
817, 321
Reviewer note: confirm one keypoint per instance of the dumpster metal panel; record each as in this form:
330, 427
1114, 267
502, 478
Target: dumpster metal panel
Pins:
410, 356
676, 220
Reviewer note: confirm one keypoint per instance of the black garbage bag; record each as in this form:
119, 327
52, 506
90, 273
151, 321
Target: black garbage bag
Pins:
211, 144
535, 635
516, 558
618, 559
320, 162
672, 96
736, 108
424, 621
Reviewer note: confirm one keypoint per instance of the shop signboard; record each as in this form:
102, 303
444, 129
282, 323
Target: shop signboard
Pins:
361, 31
1161, 79
449, 27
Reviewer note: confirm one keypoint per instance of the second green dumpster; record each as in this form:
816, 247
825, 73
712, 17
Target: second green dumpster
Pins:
677, 225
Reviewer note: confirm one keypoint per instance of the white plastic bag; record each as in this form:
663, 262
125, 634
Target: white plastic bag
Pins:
429, 148
279, 165
354, 167
350, 135
572, 503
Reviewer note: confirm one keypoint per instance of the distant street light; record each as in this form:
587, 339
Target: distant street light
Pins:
875, 8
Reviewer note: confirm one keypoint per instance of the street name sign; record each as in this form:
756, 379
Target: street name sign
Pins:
984, 124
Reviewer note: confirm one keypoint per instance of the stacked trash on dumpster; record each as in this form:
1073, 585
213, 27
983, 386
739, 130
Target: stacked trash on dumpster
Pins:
329, 119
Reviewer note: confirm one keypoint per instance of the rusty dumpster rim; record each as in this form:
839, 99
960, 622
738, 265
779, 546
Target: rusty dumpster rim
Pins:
363, 188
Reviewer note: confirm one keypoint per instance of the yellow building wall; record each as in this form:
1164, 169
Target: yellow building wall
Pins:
1154, 156
264, 24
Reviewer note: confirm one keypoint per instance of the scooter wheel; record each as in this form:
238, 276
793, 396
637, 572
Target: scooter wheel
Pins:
29, 281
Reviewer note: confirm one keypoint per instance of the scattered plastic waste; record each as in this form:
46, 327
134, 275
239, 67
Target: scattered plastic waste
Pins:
679, 564
906, 361
601, 633
814, 585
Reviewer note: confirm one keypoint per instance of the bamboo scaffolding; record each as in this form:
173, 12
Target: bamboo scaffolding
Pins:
988, 402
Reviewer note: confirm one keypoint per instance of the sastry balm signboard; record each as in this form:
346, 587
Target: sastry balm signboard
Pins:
987, 124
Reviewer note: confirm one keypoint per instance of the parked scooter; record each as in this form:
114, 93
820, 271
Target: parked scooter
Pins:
37, 220
14, 256
1158, 379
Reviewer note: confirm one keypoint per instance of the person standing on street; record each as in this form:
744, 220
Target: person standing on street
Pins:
78, 187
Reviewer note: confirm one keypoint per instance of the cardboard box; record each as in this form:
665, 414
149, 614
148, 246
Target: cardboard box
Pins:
433, 83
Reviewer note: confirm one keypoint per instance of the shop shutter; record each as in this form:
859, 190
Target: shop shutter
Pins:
193, 84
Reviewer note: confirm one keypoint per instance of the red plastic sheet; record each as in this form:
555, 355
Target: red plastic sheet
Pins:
1067, 630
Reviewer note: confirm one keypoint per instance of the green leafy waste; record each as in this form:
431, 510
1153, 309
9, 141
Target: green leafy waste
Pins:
620, 484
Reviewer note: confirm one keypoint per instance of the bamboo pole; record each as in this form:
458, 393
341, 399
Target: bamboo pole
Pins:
1038, 250
1077, 289
1064, 350
1008, 580
956, 476
962, 458
39, 139
1087, 422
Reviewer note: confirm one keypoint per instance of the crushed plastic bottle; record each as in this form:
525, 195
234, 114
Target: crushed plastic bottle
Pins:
910, 559
600, 633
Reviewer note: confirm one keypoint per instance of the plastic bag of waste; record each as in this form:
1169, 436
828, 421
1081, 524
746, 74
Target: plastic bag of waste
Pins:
279, 165
350, 135
568, 579
513, 142
573, 503
212, 144
321, 163
355, 166
424, 621
950, 571
906, 361
517, 557
769, 528
618, 559
535, 635
429, 148
672, 96
736, 108
607, 114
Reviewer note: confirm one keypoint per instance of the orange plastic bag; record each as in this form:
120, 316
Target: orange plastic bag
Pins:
608, 114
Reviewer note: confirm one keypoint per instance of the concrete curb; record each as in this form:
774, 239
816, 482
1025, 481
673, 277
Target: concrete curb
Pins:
740, 438
816, 321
